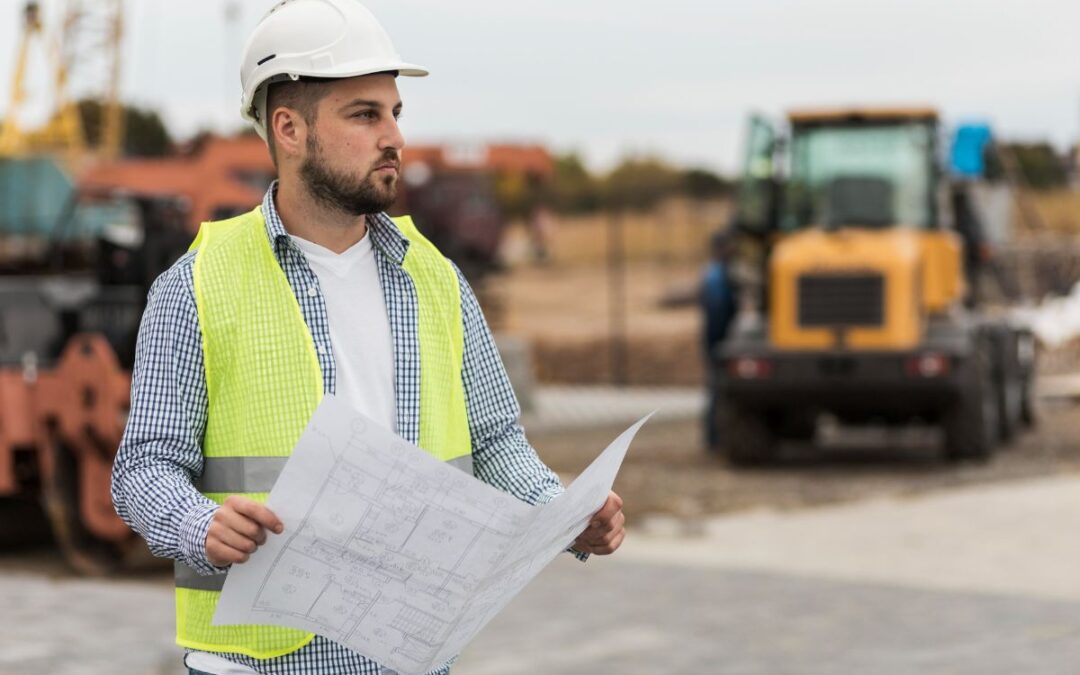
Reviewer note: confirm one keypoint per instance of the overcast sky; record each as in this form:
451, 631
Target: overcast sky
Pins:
675, 78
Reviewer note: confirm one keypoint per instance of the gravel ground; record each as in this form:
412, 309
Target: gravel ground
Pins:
666, 472
668, 478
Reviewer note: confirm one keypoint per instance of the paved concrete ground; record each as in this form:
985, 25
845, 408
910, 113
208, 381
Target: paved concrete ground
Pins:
976, 580
631, 618
973, 580
68, 626
559, 408
1020, 538
566, 407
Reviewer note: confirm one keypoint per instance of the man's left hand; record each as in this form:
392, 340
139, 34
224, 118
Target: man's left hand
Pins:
606, 529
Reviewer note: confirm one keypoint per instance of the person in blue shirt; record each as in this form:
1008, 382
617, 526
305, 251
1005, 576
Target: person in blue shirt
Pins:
718, 300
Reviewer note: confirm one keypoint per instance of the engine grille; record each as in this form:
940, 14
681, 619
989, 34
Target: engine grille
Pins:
840, 300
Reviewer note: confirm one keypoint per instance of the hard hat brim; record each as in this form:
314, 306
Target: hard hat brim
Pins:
361, 68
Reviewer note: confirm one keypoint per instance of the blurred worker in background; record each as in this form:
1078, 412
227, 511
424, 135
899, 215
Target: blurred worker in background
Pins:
316, 291
541, 224
718, 299
976, 250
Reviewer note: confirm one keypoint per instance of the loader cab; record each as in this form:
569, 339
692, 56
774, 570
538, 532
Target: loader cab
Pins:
861, 169
867, 168
870, 175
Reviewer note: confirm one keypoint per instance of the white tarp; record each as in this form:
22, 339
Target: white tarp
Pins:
1055, 321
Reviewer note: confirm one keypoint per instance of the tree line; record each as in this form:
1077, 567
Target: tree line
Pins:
635, 183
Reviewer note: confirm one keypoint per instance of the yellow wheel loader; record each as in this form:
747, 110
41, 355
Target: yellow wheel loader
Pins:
864, 308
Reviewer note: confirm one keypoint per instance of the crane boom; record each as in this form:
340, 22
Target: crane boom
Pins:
88, 38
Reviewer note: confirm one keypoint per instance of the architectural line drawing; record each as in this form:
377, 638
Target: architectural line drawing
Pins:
394, 554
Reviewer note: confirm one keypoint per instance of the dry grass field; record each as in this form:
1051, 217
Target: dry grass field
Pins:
568, 309
1059, 211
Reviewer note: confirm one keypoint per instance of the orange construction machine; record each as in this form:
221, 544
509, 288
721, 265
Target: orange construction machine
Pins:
865, 299
72, 289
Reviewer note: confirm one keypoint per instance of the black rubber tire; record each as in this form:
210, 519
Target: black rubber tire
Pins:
1028, 416
1010, 407
746, 439
798, 426
85, 553
1007, 382
972, 425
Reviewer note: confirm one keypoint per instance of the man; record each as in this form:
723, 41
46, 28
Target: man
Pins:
977, 251
718, 306
316, 291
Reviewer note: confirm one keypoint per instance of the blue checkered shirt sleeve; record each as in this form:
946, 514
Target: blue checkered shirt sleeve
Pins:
162, 445
502, 456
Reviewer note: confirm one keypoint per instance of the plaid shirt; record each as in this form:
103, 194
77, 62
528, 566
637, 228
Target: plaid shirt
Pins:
161, 449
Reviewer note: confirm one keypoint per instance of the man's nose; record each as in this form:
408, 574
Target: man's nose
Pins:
392, 136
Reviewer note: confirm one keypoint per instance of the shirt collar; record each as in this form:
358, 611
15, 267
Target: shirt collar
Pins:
386, 238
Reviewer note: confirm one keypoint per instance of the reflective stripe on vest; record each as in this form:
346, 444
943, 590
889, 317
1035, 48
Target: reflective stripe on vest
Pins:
239, 474
264, 382
258, 474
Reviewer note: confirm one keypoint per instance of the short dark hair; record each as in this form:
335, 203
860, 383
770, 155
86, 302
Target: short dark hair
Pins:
301, 95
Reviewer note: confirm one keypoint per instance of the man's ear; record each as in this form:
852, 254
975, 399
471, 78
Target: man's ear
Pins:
290, 131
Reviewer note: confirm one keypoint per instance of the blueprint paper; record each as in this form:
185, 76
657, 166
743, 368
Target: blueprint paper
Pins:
397, 555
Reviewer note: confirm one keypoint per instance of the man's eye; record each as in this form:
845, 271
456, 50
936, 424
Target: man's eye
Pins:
365, 114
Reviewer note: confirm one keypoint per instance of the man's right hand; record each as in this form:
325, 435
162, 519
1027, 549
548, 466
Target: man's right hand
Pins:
238, 528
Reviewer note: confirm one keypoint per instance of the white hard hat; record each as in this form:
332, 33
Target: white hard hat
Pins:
314, 38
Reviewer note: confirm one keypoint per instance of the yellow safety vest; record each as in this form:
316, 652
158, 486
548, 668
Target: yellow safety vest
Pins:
263, 382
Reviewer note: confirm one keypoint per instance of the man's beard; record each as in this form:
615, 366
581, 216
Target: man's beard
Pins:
343, 192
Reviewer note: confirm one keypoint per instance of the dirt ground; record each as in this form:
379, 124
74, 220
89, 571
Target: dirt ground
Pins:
570, 316
666, 472
575, 302
668, 481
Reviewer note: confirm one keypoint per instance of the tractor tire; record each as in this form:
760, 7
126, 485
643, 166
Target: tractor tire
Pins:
747, 439
1010, 407
1008, 382
1028, 416
972, 426
798, 426
86, 554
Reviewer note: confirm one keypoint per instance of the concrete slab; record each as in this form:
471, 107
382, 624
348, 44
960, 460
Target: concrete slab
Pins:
73, 626
612, 616
558, 408
976, 580
1012, 538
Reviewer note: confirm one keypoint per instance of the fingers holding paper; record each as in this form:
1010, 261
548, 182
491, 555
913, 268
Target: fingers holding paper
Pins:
606, 529
238, 528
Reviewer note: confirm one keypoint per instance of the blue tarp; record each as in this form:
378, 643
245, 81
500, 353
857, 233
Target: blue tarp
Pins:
968, 148
35, 201
33, 196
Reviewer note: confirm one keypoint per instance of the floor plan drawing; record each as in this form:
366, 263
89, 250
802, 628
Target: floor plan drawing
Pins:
393, 553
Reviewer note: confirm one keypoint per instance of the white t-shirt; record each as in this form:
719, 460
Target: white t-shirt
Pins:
209, 663
359, 328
